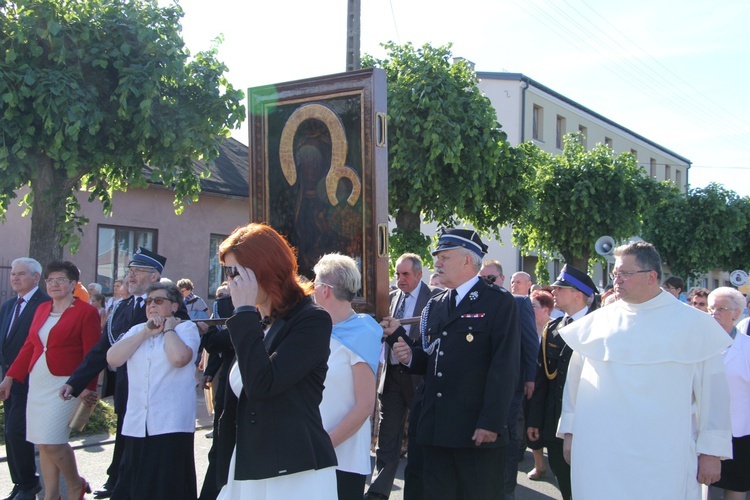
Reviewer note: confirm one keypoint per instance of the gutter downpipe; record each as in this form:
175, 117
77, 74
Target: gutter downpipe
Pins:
524, 84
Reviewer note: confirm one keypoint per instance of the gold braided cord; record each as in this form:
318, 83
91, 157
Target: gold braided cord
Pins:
550, 376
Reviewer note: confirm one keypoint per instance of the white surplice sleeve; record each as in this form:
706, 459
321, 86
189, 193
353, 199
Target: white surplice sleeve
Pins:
711, 398
570, 393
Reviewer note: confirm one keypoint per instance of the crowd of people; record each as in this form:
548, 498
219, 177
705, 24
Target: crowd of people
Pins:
464, 375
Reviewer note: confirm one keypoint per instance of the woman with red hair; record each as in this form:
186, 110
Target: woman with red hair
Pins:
281, 338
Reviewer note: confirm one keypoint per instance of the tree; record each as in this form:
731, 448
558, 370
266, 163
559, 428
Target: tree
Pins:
578, 196
449, 160
91, 92
703, 229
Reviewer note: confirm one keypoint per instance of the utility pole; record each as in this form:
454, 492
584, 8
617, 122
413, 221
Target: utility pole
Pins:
352, 34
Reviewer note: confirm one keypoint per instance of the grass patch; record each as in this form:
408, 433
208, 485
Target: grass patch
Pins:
103, 421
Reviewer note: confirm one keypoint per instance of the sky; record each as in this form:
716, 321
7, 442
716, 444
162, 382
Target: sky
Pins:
674, 71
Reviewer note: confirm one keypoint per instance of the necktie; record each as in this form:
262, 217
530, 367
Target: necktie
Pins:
137, 308
399, 314
568, 320
16, 313
402, 306
454, 296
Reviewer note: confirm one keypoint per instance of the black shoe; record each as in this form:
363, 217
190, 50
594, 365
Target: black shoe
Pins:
28, 494
106, 491
371, 495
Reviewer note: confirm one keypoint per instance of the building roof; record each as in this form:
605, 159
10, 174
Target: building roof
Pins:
230, 174
529, 81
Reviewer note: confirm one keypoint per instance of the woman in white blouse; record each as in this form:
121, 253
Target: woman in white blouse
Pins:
349, 393
160, 418
725, 305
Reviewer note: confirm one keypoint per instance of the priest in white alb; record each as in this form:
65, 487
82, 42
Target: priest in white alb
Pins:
646, 403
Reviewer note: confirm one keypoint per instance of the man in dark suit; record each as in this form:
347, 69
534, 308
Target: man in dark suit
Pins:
396, 388
492, 272
470, 361
572, 291
144, 269
15, 319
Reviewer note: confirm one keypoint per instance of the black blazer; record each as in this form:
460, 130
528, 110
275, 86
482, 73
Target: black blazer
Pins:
11, 344
279, 430
477, 368
529, 338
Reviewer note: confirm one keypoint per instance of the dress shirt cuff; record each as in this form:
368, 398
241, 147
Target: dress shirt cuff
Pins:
566, 424
716, 443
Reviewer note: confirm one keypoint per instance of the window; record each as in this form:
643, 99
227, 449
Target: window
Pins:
215, 278
716, 284
115, 247
560, 132
537, 123
584, 133
652, 170
608, 142
667, 172
678, 178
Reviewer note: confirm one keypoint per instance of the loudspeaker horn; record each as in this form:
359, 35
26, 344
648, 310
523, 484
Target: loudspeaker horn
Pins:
605, 245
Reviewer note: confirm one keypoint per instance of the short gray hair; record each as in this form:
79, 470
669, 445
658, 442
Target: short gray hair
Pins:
476, 259
173, 293
342, 273
96, 286
32, 264
735, 296
645, 255
416, 261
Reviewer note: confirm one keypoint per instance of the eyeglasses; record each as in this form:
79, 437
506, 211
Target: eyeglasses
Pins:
133, 271
626, 275
698, 304
59, 281
318, 283
230, 271
157, 300
490, 278
719, 309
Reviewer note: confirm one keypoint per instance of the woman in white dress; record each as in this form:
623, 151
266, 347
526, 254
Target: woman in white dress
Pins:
271, 417
725, 305
349, 394
61, 334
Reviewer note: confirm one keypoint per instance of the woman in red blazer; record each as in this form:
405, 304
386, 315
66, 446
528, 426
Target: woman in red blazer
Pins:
61, 334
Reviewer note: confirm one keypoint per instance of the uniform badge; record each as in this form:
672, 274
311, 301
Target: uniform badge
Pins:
474, 295
469, 338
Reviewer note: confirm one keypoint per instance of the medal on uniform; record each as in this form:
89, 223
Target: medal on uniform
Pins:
469, 338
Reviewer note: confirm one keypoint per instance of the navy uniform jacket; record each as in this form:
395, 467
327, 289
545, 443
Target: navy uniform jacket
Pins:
545, 406
471, 376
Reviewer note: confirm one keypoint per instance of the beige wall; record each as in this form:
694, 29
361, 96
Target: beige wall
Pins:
507, 98
183, 239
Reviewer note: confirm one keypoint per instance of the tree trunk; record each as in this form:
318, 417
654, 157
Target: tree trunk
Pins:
51, 189
580, 262
409, 221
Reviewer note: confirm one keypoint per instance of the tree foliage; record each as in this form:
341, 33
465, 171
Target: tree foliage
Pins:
703, 229
91, 91
578, 196
449, 160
